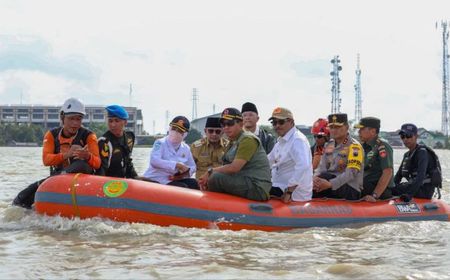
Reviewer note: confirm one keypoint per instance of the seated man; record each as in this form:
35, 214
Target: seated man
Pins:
208, 151
171, 161
378, 161
116, 146
250, 118
246, 170
69, 148
290, 159
321, 135
340, 172
420, 167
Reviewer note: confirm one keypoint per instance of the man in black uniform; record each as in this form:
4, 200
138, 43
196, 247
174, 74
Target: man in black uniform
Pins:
415, 167
116, 146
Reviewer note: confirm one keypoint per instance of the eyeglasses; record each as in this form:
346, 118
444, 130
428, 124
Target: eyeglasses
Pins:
216, 131
225, 123
279, 122
403, 136
319, 136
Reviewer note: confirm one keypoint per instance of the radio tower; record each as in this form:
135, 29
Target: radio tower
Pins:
445, 81
358, 99
194, 103
335, 90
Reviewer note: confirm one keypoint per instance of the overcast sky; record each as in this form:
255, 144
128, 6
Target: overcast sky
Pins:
272, 53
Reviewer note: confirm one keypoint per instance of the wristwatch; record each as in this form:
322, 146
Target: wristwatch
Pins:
210, 170
375, 195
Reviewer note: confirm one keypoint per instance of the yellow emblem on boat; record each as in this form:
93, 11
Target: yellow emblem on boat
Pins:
114, 188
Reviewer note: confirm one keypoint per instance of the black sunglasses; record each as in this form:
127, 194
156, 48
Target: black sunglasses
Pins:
216, 131
319, 136
279, 122
403, 136
225, 123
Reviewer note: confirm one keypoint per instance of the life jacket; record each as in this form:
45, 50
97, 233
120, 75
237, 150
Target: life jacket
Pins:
433, 173
61, 147
119, 164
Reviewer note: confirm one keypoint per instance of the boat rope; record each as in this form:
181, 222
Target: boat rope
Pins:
73, 191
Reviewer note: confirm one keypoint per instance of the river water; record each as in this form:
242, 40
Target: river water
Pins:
34, 246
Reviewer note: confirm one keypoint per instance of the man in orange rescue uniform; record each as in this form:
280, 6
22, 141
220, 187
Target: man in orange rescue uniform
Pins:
69, 148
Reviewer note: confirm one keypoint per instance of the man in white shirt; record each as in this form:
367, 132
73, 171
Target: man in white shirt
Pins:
171, 161
290, 160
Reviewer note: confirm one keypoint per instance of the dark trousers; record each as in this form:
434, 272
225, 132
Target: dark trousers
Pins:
25, 198
425, 191
343, 192
369, 187
189, 183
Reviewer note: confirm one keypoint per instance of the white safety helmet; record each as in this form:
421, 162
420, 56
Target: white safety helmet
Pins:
73, 106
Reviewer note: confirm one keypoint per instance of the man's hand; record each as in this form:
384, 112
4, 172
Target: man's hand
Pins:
320, 184
369, 198
203, 181
82, 153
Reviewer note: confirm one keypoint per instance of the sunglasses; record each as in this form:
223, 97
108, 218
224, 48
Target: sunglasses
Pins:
212, 131
279, 122
319, 136
403, 136
225, 123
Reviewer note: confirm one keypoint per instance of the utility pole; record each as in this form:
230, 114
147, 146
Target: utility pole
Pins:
129, 96
214, 109
445, 78
154, 125
335, 89
358, 97
194, 103
167, 120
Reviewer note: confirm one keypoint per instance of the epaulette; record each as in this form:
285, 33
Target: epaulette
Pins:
198, 143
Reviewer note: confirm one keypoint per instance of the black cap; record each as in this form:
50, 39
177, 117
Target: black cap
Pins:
249, 107
212, 122
181, 123
371, 122
408, 129
338, 119
231, 114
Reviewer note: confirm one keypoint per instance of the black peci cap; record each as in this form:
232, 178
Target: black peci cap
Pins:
212, 122
249, 107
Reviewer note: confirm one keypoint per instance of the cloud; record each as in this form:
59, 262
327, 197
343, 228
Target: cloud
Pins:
313, 68
34, 54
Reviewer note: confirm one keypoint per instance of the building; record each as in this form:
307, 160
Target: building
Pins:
199, 123
48, 116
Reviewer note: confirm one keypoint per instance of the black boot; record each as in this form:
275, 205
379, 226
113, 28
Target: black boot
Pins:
26, 197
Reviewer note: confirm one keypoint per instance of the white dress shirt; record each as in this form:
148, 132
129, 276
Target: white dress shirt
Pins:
291, 164
164, 158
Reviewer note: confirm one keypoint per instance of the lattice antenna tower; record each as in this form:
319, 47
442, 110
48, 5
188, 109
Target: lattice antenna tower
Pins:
194, 103
335, 86
445, 77
358, 97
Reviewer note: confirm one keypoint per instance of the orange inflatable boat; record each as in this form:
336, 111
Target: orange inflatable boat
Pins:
126, 200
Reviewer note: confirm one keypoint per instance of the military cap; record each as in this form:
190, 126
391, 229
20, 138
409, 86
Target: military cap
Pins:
368, 122
338, 119
231, 114
181, 123
117, 111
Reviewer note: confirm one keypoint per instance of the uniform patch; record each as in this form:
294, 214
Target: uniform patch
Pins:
355, 157
157, 146
105, 151
382, 153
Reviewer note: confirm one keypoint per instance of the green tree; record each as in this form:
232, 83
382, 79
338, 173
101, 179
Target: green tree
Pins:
193, 136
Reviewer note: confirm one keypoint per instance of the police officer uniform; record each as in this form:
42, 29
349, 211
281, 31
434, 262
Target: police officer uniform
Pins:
342, 165
207, 154
378, 155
